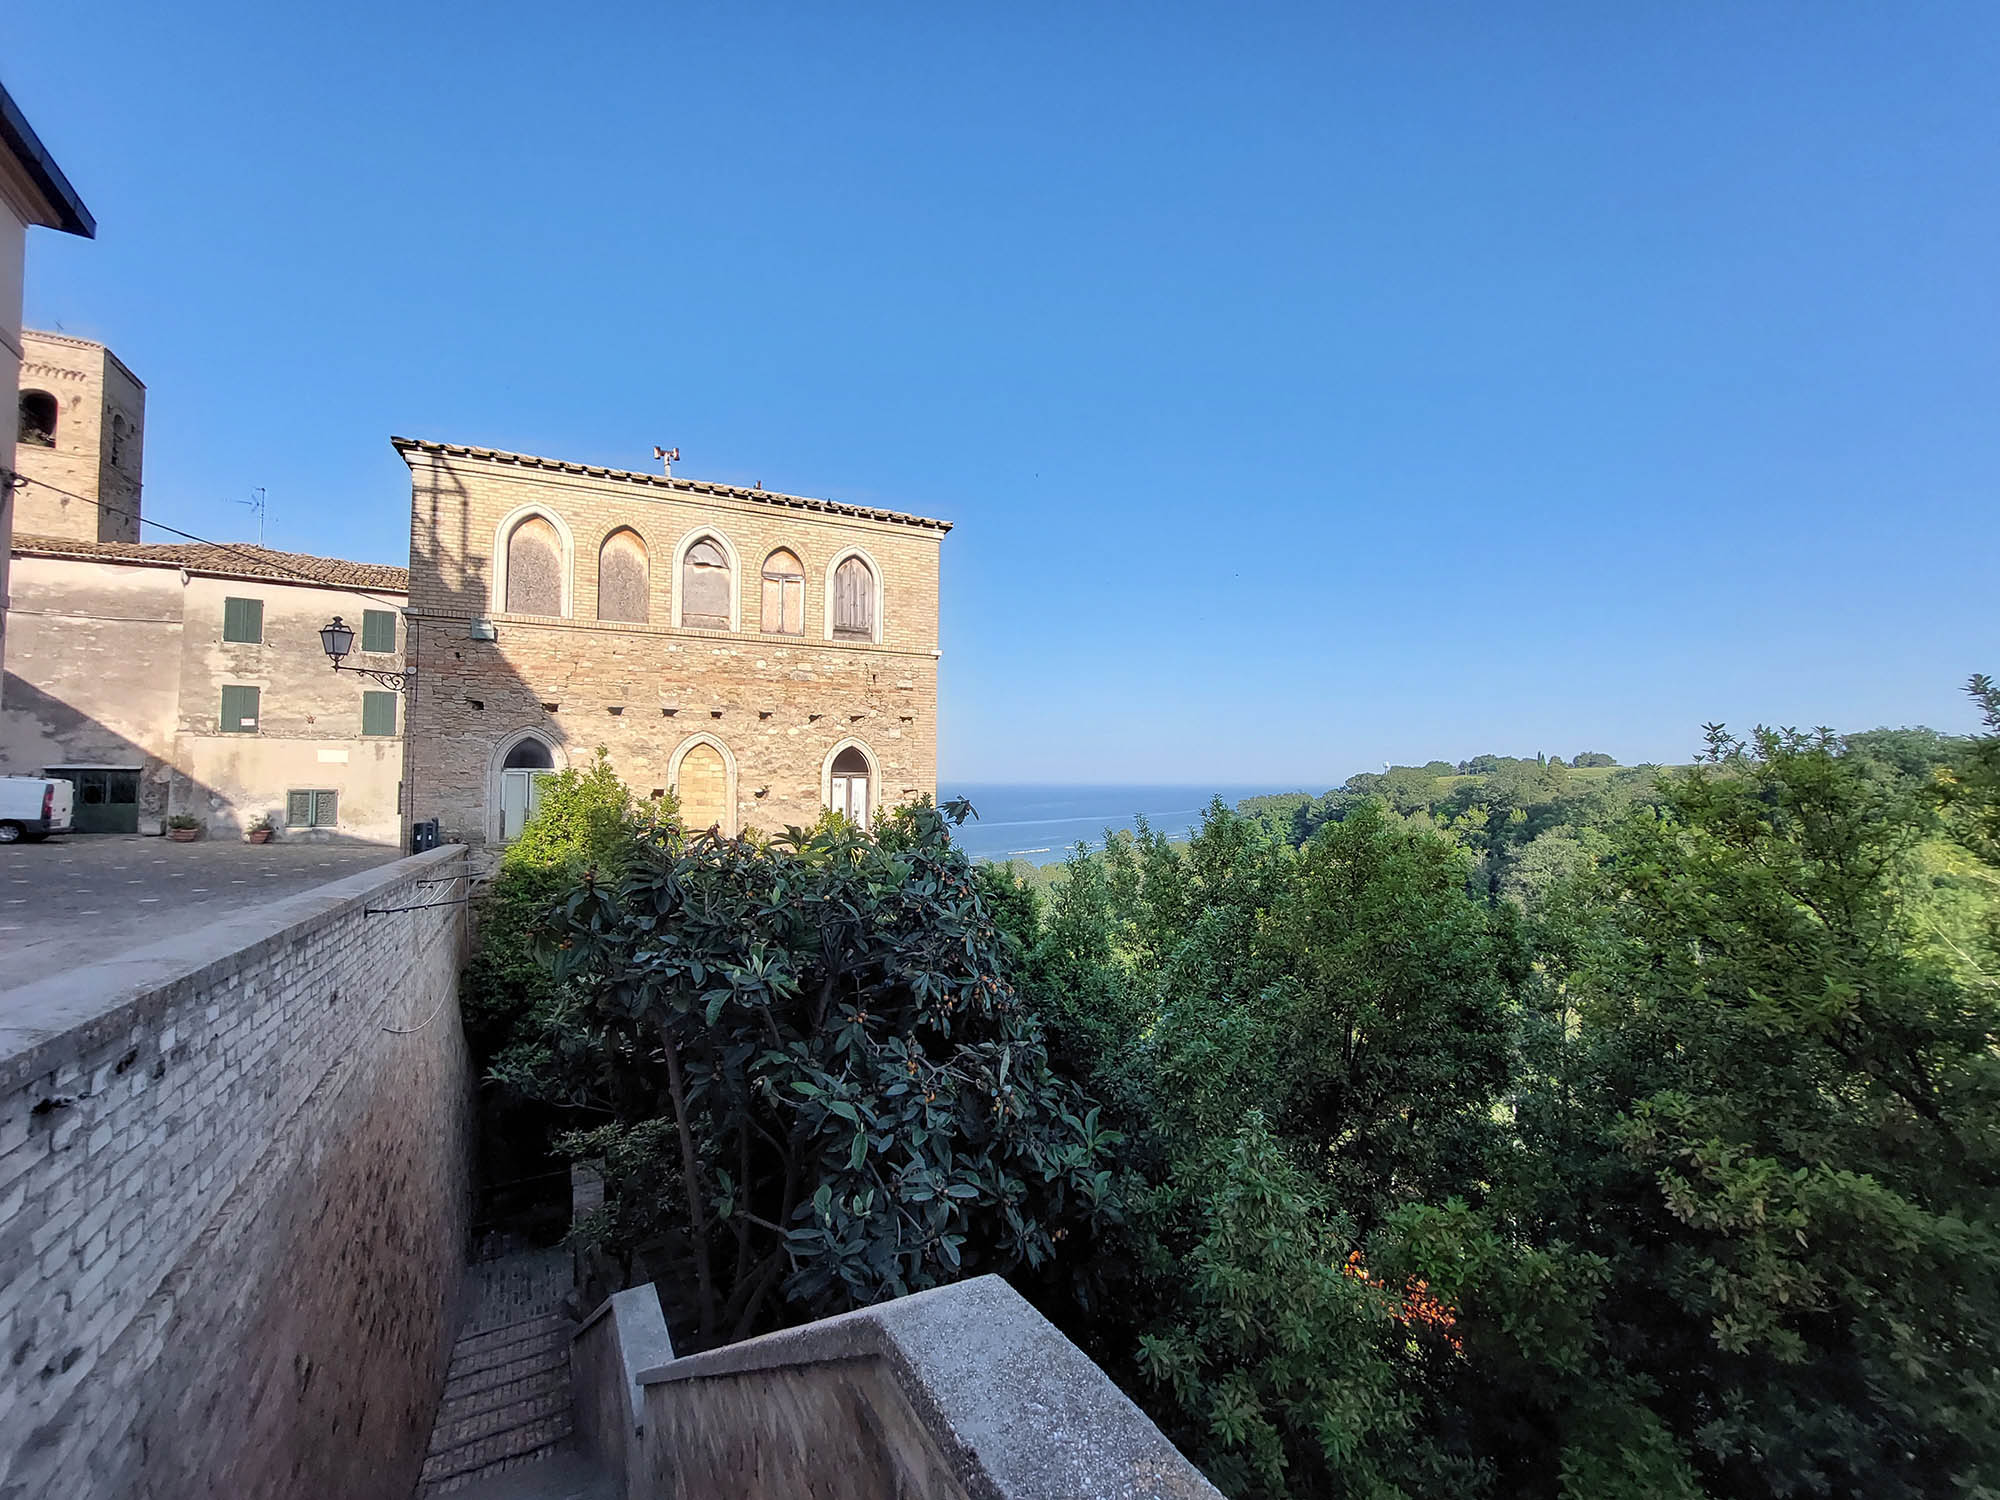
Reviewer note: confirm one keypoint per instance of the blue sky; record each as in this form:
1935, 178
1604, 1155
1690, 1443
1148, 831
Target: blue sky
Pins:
1312, 386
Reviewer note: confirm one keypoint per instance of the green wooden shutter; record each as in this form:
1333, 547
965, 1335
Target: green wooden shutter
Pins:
378, 713
243, 620
239, 710
298, 809
378, 630
326, 809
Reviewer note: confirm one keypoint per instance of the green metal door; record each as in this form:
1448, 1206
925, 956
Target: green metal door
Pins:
107, 801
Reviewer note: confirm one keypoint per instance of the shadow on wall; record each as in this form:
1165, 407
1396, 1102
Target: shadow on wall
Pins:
40, 733
470, 706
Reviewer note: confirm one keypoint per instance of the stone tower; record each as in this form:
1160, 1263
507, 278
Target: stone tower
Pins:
80, 442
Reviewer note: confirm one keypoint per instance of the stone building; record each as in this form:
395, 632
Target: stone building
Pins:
33, 191
764, 656
80, 441
189, 678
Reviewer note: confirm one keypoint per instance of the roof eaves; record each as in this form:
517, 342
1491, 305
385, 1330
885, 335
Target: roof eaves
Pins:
407, 446
203, 558
19, 137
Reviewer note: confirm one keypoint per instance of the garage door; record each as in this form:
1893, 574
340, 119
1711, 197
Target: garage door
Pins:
107, 800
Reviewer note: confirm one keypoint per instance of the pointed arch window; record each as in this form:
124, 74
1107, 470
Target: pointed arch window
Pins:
534, 568
854, 601
521, 776
849, 786
784, 594
623, 578
705, 585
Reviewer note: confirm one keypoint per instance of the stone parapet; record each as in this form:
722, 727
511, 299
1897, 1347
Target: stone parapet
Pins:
233, 1174
962, 1393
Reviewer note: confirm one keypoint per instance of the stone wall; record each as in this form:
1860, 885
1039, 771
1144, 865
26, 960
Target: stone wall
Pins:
627, 1334
962, 1393
233, 1208
775, 707
121, 663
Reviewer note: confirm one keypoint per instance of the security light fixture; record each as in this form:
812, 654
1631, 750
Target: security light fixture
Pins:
337, 640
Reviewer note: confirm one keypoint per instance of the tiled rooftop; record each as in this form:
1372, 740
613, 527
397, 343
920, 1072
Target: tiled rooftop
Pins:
407, 446
219, 561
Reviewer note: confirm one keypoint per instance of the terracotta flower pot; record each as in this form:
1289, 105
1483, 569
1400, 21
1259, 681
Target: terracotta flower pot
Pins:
182, 835
259, 835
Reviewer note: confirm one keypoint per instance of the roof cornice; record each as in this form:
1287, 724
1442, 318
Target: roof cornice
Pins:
694, 488
21, 142
219, 560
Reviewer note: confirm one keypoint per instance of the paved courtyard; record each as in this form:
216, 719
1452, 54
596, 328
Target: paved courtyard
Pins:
82, 897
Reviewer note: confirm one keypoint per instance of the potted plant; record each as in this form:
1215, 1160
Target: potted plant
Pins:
183, 828
259, 831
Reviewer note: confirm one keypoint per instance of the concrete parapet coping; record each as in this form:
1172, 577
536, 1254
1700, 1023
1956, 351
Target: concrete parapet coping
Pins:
1023, 1413
626, 1333
49, 1021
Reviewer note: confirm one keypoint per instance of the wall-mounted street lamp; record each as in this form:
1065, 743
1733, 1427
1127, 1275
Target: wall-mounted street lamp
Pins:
337, 639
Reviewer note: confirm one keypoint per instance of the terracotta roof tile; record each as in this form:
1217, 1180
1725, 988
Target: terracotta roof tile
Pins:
232, 561
407, 446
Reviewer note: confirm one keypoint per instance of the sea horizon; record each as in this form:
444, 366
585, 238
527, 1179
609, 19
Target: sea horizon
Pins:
1041, 822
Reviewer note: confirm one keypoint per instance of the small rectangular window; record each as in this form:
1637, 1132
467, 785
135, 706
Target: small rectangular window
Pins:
378, 713
239, 710
378, 630
243, 620
312, 809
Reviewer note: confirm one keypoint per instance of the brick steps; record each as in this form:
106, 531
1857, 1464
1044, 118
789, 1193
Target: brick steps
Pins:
506, 1403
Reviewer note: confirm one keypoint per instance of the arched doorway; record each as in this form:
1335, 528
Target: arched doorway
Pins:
704, 781
520, 785
850, 790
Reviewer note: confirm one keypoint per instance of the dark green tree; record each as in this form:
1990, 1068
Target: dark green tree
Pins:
822, 1086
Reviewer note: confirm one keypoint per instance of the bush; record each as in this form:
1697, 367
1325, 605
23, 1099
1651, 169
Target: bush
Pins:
817, 1043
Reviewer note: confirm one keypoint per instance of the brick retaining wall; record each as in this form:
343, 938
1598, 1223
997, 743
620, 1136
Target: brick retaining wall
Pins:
233, 1202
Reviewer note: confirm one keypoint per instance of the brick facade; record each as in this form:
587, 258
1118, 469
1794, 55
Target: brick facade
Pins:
233, 1202
85, 483
743, 724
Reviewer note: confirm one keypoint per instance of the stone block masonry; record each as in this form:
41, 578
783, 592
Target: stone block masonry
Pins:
233, 1206
742, 716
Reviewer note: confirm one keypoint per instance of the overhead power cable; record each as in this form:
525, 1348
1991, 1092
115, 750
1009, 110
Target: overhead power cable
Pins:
263, 558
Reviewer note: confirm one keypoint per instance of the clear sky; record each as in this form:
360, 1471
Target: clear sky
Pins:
1312, 385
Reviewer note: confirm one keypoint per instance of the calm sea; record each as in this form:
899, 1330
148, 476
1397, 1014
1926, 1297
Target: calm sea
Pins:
1041, 824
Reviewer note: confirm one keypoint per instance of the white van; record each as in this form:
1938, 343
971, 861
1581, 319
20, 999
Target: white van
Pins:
33, 807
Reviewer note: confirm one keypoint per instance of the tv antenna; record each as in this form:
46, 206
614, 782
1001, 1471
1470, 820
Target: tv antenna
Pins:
256, 505
668, 457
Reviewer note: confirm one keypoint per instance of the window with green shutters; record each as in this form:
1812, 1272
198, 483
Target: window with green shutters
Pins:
243, 620
378, 630
312, 809
378, 713
239, 710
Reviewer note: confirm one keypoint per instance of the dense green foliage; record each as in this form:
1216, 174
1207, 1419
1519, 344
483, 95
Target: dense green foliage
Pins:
586, 822
1689, 1179
1503, 1128
820, 1087
1529, 822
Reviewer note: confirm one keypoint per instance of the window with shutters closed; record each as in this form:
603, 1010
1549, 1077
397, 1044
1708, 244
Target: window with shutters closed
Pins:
378, 713
622, 579
705, 586
854, 601
535, 569
239, 710
784, 594
243, 621
312, 809
378, 630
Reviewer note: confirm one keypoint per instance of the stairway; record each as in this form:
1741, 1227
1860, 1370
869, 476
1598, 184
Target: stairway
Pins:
506, 1406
